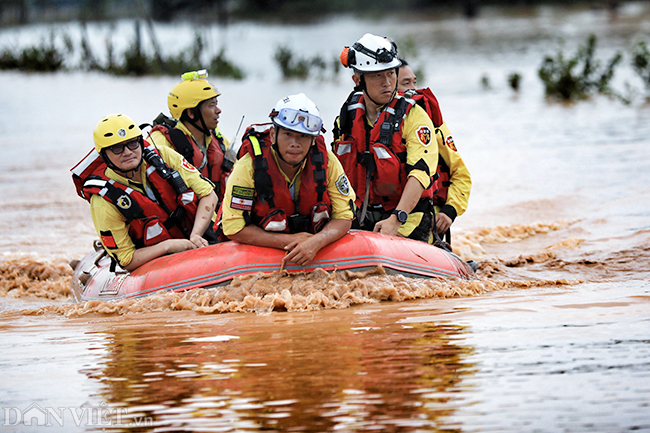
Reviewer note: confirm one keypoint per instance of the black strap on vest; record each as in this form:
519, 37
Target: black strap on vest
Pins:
172, 177
179, 140
115, 195
392, 122
113, 265
263, 182
320, 176
367, 160
182, 144
346, 116
226, 164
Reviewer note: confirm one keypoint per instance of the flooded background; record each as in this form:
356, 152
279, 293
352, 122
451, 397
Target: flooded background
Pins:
553, 336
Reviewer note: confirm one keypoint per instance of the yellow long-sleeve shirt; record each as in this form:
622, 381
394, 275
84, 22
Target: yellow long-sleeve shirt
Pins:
459, 177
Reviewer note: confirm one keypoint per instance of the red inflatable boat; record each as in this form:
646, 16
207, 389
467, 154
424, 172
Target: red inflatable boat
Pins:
217, 265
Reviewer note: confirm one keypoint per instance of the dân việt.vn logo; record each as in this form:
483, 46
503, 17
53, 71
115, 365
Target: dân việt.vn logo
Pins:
90, 416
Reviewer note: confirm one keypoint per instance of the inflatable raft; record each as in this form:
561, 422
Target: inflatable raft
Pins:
217, 265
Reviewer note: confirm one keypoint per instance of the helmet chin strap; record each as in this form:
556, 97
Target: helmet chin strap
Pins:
277, 150
197, 113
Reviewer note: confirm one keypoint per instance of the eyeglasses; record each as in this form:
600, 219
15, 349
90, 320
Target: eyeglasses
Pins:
291, 118
117, 149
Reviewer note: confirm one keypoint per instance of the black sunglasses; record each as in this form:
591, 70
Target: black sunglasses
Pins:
131, 144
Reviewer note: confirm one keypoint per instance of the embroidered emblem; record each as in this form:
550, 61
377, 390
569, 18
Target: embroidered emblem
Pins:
187, 166
242, 198
450, 143
124, 201
121, 132
424, 135
242, 192
343, 185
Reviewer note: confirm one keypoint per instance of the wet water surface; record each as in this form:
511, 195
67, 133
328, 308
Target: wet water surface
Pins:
552, 335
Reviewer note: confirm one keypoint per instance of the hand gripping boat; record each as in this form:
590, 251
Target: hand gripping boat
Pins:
217, 265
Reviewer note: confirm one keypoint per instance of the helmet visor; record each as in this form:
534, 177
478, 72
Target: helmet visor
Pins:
298, 120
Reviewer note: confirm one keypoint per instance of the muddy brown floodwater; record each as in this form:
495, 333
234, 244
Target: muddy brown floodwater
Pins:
551, 336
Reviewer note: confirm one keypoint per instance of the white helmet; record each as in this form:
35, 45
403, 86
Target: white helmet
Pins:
371, 54
297, 113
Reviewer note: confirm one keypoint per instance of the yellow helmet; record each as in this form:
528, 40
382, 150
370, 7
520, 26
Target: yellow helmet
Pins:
189, 94
115, 129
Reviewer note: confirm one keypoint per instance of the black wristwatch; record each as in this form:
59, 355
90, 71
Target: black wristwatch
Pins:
401, 215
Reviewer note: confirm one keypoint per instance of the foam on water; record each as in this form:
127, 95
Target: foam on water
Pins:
551, 336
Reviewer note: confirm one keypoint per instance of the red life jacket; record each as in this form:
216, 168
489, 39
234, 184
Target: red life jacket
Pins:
213, 166
273, 207
150, 222
379, 149
427, 100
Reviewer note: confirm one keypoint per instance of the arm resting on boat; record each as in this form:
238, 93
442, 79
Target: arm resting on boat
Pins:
146, 254
303, 251
302, 246
255, 235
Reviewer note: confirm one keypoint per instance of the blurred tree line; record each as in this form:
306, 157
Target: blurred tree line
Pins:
17, 12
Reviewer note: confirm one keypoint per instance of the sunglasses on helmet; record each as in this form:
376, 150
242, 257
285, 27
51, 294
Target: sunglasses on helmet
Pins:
117, 149
292, 117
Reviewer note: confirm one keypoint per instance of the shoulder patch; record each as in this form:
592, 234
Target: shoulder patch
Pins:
242, 198
424, 135
343, 185
186, 165
450, 143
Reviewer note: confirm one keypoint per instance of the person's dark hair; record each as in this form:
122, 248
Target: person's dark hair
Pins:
198, 118
185, 117
404, 62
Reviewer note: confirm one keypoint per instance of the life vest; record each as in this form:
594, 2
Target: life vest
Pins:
213, 165
274, 209
427, 100
378, 151
150, 222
